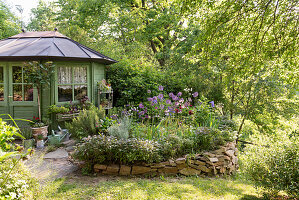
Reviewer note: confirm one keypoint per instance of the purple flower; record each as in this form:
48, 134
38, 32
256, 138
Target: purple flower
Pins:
189, 99
168, 101
212, 104
171, 94
175, 98
149, 91
150, 99
195, 94
179, 94
155, 98
161, 88
141, 105
154, 102
161, 106
160, 96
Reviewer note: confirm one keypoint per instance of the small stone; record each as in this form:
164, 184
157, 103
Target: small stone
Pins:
69, 143
230, 153
189, 171
220, 163
100, 167
197, 162
213, 159
111, 169
124, 170
58, 154
235, 160
208, 154
181, 166
140, 170
70, 149
222, 170
180, 160
219, 151
172, 163
158, 165
169, 170
203, 168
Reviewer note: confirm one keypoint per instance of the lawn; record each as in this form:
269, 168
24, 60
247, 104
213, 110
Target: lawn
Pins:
105, 187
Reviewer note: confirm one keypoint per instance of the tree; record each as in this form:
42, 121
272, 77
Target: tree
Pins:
8, 22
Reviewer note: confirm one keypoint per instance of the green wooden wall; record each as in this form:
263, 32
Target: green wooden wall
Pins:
96, 72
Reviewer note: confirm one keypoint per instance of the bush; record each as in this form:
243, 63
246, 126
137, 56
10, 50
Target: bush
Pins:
275, 165
19, 184
121, 129
89, 122
108, 149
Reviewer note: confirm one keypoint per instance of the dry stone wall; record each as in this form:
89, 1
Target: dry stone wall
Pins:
219, 162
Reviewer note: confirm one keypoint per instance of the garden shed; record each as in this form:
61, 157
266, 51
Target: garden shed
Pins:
78, 69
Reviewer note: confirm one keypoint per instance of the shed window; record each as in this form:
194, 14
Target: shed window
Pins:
22, 89
72, 83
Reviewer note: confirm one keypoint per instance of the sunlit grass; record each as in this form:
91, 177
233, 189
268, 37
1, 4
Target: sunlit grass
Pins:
142, 188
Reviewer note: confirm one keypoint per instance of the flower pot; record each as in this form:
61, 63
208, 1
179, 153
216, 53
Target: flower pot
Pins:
40, 131
28, 143
40, 144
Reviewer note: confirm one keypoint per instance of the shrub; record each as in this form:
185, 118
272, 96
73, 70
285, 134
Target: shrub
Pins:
18, 184
120, 129
273, 166
210, 138
87, 123
109, 149
173, 146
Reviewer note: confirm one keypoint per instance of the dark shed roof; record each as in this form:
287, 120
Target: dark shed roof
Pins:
49, 45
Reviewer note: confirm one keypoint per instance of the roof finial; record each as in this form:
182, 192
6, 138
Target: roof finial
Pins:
23, 30
55, 29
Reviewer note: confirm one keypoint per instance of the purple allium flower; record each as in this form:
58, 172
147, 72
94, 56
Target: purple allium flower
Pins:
179, 94
141, 105
212, 104
161, 88
195, 94
150, 99
175, 98
168, 101
171, 94
160, 96
149, 91
156, 107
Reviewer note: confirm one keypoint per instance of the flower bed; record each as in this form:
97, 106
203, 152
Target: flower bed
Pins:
219, 162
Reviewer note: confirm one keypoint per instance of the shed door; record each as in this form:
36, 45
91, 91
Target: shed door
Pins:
19, 96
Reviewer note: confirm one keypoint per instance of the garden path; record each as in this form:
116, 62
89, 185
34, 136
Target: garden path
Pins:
50, 166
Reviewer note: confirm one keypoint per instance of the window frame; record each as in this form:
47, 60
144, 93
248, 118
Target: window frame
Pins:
22, 83
72, 65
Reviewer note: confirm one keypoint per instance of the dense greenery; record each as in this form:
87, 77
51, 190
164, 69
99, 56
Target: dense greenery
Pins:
243, 55
15, 181
273, 164
8, 22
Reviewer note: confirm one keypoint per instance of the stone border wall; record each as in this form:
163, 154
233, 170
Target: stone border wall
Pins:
219, 162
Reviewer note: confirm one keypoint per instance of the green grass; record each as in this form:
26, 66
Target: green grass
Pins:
143, 188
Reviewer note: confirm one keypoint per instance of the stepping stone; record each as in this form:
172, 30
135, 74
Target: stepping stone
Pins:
58, 154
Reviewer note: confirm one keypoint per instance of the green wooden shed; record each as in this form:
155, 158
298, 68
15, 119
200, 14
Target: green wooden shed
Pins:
78, 69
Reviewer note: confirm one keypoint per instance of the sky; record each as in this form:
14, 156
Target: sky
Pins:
27, 5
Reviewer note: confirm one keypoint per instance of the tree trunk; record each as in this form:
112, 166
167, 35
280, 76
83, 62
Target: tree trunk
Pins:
38, 103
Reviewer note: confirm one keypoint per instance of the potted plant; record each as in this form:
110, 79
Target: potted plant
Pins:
38, 128
40, 141
28, 140
104, 86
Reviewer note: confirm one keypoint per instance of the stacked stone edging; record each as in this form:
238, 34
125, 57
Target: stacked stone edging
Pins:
219, 162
